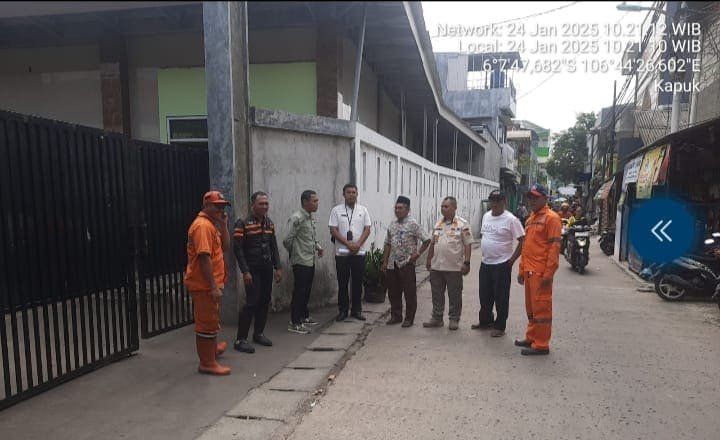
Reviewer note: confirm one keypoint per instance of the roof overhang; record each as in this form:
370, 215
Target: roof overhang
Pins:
424, 46
705, 135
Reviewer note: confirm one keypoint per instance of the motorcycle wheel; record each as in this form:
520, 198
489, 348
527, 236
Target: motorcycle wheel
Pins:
607, 248
581, 269
668, 291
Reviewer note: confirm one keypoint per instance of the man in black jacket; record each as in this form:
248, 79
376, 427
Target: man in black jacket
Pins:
256, 251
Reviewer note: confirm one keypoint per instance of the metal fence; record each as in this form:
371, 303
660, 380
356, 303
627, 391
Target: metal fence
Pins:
88, 219
169, 174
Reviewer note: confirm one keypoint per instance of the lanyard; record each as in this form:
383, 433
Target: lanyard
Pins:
350, 216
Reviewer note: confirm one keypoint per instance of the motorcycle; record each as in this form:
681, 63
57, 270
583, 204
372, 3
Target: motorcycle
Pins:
577, 249
607, 242
693, 274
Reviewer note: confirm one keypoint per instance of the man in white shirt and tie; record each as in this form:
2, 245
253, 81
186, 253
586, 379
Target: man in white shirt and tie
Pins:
350, 228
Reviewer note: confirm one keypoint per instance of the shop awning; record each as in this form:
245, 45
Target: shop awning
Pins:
510, 175
604, 190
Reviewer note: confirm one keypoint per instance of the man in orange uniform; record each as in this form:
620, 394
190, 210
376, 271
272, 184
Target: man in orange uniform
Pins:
205, 278
538, 263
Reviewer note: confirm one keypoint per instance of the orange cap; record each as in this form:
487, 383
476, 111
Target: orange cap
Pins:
215, 197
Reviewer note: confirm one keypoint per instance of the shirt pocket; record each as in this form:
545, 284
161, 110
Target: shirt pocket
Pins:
537, 228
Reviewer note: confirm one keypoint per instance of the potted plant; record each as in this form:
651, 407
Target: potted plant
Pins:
374, 280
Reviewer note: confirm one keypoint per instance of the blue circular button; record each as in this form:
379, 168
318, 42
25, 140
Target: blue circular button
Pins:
662, 230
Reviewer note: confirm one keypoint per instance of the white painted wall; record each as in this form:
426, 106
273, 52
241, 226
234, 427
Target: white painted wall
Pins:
42, 81
425, 183
67, 96
287, 162
284, 164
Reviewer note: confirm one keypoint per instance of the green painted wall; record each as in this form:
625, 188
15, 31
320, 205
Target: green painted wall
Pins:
181, 92
290, 87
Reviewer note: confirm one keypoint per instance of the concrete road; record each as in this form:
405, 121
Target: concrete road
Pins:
623, 365
157, 393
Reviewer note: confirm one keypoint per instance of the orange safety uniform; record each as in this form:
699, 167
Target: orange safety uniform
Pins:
540, 259
204, 238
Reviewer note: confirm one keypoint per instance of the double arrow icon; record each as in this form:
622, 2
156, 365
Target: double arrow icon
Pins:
662, 231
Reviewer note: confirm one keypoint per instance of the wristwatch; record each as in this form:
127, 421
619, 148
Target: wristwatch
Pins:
467, 263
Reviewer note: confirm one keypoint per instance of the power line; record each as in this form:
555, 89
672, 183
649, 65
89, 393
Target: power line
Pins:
537, 14
536, 87
558, 71
534, 15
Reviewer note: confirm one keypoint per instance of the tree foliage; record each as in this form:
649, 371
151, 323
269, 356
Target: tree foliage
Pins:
569, 154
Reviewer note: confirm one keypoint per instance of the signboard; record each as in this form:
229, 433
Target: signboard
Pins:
632, 169
648, 172
542, 151
662, 174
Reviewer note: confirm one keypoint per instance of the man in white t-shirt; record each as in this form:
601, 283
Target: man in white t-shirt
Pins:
350, 228
500, 232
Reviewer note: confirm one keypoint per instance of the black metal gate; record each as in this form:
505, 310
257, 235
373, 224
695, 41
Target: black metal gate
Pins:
87, 217
174, 178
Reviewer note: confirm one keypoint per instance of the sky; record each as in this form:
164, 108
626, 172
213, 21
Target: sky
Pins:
549, 99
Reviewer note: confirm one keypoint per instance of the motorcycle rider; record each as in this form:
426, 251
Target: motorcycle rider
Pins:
578, 218
565, 212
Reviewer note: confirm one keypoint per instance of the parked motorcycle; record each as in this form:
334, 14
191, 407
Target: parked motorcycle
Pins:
577, 249
695, 274
607, 242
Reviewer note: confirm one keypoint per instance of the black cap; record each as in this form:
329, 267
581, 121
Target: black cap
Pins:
496, 194
404, 200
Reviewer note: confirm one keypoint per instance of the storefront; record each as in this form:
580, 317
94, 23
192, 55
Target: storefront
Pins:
683, 166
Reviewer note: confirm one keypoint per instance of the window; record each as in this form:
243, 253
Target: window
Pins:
409, 181
188, 130
389, 177
364, 170
378, 174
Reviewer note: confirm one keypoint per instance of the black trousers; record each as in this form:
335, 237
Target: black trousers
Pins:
257, 301
350, 268
302, 286
399, 281
495, 290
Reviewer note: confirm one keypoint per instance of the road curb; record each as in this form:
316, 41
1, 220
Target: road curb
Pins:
643, 286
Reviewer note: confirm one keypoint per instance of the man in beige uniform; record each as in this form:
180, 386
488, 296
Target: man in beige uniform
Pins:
448, 261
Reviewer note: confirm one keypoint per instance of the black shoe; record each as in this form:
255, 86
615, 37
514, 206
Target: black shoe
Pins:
482, 326
341, 317
407, 324
523, 343
393, 321
533, 352
244, 346
358, 316
262, 340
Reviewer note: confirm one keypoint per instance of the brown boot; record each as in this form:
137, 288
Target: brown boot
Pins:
433, 323
206, 349
220, 348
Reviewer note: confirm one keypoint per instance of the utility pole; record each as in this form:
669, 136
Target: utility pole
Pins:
675, 109
612, 134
